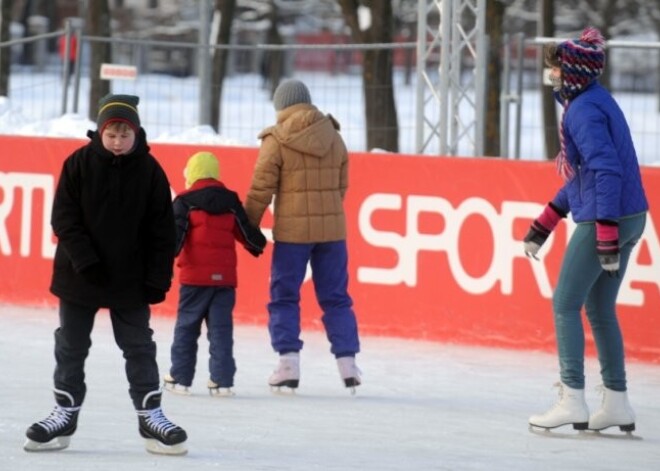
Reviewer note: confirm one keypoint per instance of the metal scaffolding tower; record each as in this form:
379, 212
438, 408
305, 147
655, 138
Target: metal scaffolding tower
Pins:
451, 95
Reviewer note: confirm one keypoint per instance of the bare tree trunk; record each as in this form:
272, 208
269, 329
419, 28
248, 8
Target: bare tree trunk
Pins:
98, 24
551, 131
226, 9
494, 28
274, 70
377, 83
5, 52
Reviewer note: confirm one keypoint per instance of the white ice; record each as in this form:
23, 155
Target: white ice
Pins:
423, 406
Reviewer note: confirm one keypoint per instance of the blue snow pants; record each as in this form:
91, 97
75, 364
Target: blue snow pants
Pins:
133, 336
582, 282
329, 263
213, 305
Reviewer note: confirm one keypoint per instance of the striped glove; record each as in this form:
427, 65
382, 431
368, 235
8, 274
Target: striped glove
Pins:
607, 246
541, 229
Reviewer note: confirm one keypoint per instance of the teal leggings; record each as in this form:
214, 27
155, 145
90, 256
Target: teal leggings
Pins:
582, 282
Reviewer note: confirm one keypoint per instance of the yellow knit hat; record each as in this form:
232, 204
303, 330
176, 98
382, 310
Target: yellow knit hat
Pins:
201, 165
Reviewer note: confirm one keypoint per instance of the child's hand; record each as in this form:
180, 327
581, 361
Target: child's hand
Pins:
254, 252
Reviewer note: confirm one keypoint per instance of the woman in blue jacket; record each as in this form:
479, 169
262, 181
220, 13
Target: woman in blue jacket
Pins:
603, 191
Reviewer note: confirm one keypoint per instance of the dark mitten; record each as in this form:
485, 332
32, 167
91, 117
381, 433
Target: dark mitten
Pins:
95, 274
254, 252
607, 246
541, 229
154, 295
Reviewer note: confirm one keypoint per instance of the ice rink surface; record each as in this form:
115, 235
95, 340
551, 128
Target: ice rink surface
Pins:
423, 406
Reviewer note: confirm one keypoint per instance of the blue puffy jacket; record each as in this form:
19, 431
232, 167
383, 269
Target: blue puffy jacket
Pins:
607, 184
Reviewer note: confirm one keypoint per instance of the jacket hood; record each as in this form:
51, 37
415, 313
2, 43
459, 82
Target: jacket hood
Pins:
304, 129
209, 195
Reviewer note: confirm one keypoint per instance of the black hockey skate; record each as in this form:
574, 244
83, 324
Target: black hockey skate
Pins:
54, 432
162, 436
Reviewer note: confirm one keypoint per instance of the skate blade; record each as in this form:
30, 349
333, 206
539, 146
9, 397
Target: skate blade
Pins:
180, 390
221, 392
158, 448
582, 434
628, 435
57, 443
553, 433
283, 389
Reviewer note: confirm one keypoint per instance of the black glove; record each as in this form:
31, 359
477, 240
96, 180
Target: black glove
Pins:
254, 252
154, 295
95, 274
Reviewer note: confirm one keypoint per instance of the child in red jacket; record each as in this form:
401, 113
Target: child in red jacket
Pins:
209, 220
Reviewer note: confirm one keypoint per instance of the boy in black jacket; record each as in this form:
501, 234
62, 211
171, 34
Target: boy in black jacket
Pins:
112, 215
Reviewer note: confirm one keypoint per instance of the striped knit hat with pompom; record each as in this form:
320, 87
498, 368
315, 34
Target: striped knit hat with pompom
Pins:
582, 61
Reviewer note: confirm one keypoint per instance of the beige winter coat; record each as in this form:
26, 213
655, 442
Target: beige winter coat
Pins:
303, 163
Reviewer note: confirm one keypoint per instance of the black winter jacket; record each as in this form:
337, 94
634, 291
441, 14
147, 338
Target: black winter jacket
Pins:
113, 218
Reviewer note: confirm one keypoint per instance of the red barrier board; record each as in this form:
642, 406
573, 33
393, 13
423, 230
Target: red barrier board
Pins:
435, 248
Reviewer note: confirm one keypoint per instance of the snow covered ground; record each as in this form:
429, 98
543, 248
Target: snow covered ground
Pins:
423, 406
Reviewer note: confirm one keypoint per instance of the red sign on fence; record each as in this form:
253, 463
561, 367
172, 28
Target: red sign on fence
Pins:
434, 246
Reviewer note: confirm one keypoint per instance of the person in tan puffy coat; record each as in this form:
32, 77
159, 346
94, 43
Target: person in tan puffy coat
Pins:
303, 164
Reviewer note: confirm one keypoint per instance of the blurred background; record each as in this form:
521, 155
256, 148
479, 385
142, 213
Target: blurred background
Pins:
436, 77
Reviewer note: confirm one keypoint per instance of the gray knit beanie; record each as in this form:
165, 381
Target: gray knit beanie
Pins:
290, 92
122, 108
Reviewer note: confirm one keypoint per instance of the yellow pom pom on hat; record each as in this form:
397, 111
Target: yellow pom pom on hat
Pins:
201, 165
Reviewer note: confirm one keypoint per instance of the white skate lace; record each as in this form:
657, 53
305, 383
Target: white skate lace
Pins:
560, 393
157, 421
58, 419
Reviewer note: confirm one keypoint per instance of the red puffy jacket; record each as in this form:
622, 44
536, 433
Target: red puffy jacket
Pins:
210, 219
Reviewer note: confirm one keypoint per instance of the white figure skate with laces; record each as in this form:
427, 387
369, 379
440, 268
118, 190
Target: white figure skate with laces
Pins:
615, 411
570, 409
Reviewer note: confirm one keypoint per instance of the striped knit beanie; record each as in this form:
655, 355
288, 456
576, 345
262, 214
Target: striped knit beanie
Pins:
581, 60
118, 108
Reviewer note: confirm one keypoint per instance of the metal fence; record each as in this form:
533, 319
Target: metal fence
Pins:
170, 90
